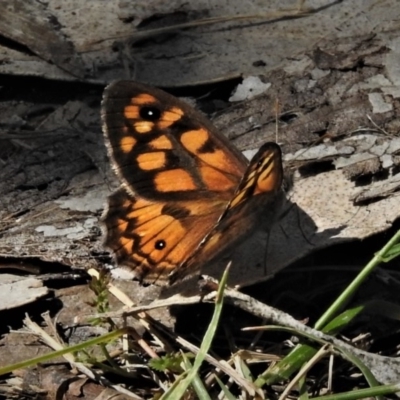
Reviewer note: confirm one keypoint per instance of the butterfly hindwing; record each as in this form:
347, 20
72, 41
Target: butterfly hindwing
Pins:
151, 238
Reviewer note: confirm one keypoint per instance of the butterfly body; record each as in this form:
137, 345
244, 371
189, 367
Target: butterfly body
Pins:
187, 195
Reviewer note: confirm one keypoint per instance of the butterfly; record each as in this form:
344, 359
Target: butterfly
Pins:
187, 195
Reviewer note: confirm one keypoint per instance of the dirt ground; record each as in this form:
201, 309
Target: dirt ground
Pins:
320, 78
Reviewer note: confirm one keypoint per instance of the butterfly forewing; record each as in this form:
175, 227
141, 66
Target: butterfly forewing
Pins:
162, 149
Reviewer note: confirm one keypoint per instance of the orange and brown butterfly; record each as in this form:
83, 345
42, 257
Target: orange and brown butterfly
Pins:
187, 195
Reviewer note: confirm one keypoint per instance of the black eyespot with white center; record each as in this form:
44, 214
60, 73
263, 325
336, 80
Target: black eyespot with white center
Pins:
160, 244
149, 113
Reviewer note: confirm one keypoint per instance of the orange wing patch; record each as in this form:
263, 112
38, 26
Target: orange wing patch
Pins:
143, 98
263, 176
161, 143
131, 112
194, 140
270, 177
144, 126
169, 117
169, 233
174, 180
200, 143
151, 161
143, 211
127, 143
215, 180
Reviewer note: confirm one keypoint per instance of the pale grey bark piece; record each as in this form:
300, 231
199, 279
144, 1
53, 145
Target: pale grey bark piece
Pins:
181, 43
30, 24
16, 291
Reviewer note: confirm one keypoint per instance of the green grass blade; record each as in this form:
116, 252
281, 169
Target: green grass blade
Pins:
302, 353
368, 375
70, 349
197, 384
362, 393
346, 295
328, 323
227, 393
178, 391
